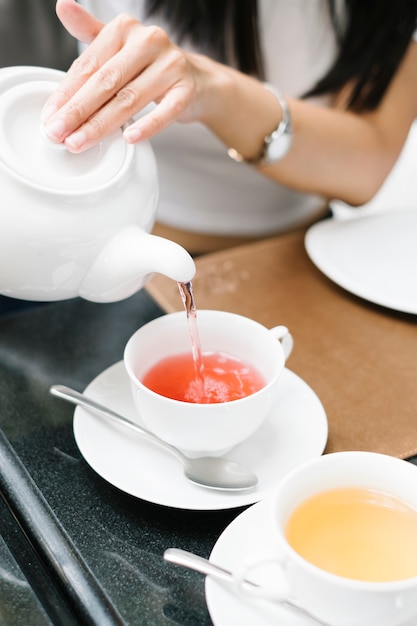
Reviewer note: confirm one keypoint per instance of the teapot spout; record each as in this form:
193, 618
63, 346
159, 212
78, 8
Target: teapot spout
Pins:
128, 260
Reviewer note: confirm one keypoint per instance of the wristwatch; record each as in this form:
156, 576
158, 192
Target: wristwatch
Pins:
277, 144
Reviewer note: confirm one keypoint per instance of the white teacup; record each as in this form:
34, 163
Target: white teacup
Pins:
336, 600
200, 429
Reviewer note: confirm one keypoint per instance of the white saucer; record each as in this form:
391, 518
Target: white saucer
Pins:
294, 433
254, 531
373, 257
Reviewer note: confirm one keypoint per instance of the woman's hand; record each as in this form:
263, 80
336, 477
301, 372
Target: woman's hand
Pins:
335, 153
126, 66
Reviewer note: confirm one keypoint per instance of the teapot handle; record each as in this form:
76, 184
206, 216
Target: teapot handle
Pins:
126, 262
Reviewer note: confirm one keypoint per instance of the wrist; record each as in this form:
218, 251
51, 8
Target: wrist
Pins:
277, 143
215, 89
251, 118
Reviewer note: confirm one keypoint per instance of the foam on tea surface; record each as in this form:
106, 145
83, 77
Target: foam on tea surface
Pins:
225, 378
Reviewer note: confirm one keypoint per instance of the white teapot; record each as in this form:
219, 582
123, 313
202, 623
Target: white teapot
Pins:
74, 224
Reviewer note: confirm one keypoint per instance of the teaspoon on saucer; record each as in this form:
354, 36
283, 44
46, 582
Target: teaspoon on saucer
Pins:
204, 566
212, 472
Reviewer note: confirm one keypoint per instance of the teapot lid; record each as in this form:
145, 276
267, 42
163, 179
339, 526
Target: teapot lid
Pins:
25, 149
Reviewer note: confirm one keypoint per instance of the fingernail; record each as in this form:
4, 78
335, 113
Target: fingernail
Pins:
132, 134
55, 130
47, 112
76, 140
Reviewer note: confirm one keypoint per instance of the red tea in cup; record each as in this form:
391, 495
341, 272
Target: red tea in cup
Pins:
205, 423
225, 378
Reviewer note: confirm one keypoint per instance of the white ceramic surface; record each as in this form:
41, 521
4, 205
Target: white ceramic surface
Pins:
374, 257
336, 600
295, 431
254, 530
201, 429
74, 224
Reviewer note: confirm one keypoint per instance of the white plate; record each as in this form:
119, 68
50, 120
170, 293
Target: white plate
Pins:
374, 257
295, 431
253, 531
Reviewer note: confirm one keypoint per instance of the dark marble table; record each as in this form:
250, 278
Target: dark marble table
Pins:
74, 549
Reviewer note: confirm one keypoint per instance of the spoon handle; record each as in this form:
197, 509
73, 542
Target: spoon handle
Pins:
204, 566
198, 564
77, 398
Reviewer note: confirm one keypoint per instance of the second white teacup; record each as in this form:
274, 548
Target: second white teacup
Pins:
346, 541
201, 428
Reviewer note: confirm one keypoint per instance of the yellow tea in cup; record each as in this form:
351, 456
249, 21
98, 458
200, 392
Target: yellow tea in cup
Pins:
356, 533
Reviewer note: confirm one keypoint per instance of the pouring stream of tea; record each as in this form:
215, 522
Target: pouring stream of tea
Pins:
187, 296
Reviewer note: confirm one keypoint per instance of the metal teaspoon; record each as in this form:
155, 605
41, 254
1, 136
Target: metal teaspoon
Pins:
213, 472
204, 566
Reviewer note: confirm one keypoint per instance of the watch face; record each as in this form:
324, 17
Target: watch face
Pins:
278, 146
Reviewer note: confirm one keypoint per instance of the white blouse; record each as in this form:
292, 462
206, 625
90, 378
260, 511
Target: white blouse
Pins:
201, 189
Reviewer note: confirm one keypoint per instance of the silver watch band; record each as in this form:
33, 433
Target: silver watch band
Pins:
277, 144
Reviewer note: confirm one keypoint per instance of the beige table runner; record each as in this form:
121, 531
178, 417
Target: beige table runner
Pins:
359, 358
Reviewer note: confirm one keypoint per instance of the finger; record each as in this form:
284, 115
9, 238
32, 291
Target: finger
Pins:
88, 83
163, 115
132, 98
138, 74
77, 101
77, 21
84, 27
119, 53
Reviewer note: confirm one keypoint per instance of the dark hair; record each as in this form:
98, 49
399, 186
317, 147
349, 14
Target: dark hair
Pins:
372, 44
373, 37
225, 29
